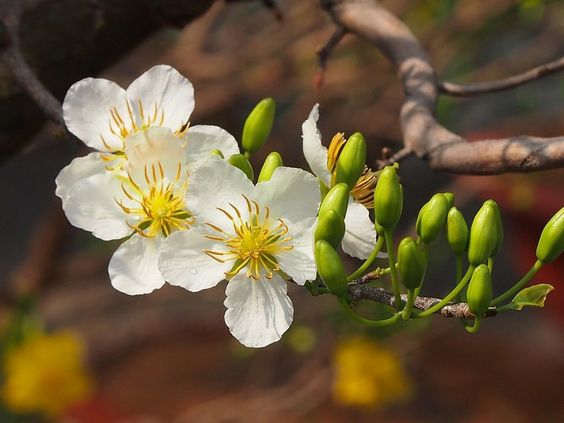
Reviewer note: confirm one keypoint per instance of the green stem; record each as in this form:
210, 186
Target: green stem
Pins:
459, 264
372, 323
406, 312
458, 288
393, 270
474, 328
364, 267
519, 285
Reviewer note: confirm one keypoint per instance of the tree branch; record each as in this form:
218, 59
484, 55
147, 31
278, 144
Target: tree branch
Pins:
443, 149
459, 90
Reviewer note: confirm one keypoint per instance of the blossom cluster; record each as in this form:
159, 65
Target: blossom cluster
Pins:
186, 214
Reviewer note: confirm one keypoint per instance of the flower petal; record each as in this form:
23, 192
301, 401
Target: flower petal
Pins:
292, 194
164, 87
315, 153
182, 261
215, 183
133, 267
90, 204
87, 111
360, 236
203, 139
299, 262
79, 168
258, 311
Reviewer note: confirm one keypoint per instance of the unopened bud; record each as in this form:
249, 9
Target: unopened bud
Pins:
241, 162
258, 125
499, 242
352, 160
483, 235
411, 263
337, 199
330, 268
457, 231
330, 227
551, 242
388, 199
432, 217
479, 294
271, 163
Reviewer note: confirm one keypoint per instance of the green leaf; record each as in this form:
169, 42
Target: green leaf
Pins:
533, 296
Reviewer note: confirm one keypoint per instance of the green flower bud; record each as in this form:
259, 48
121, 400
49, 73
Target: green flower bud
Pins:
330, 268
217, 152
271, 163
330, 227
337, 199
551, 242
479, 294
457, 231
411, 263
258, 125
241, 162
483, 235
352, 160
388, 198
499, 242
432, 217
450, 198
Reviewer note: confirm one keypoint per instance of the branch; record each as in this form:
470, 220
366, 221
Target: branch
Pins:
360, 292
443, 149
459, 90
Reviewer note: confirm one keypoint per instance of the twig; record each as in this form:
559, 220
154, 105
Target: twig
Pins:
325, 51
459, 90
443, 149
360, 292
397, 157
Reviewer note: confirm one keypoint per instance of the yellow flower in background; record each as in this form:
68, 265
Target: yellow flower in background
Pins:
45, 374
367, 374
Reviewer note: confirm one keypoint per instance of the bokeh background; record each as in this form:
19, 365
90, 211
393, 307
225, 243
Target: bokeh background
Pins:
168, 356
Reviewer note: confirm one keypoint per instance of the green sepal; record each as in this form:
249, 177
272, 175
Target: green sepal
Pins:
330, 227
352, 161
479, 294
411, 263
551, 241
241, 162
272, 162
388, 199
457, 231
337, 199
483, 235
330, 268
258, 125
432, 217
532, 296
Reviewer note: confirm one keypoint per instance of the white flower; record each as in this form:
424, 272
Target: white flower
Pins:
360, 236
104, 116
144, 199
248, 235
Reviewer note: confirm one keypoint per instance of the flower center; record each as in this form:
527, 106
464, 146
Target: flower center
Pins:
363, 191
124, 126
254, 243
161, 207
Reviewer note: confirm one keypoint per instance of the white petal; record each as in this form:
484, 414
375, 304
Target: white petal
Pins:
203, 139
258, 311
164, 87
79, 168
182, 261
360, 236
299, 262
90, 204
215, 183
314, 152
292, 194
87, 107
133, 267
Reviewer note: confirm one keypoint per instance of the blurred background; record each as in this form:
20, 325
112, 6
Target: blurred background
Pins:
168, 356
